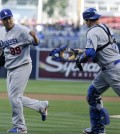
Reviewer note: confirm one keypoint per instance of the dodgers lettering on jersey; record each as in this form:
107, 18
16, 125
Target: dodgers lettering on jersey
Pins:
9, 42
16, 45
97, 39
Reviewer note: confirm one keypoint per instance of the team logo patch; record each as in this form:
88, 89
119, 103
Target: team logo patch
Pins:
89, 42
5, 13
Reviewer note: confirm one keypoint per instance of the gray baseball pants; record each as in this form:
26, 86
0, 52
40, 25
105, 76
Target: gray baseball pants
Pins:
16, 83
108, 78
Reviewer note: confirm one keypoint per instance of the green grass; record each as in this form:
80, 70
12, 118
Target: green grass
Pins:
56, 87
65, 117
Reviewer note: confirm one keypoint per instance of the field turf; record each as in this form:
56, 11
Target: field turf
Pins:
64, 116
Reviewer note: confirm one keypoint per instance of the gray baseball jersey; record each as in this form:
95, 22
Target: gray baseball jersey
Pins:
108, 58
97, 37
2, 35
2, 32
16, 46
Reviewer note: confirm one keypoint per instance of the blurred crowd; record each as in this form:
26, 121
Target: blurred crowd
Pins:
54, 35
59, 34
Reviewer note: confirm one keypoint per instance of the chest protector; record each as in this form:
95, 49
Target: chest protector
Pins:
111, 40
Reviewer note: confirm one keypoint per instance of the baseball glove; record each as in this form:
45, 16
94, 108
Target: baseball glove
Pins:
65, 54
2, 59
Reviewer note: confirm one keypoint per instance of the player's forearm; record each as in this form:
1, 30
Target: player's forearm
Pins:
80, 50
36, 40
88, 53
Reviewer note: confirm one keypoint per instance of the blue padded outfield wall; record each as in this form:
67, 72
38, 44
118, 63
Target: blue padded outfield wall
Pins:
3, 72
45, 68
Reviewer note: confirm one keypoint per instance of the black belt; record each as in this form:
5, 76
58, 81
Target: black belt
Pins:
115, 63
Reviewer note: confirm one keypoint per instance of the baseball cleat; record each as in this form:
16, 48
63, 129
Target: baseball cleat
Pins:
89, 131
43, 111
17, 130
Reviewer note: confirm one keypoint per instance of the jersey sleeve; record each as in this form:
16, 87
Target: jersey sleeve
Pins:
92, 40
26, 36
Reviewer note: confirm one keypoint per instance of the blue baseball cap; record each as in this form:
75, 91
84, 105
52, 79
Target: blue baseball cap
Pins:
91, 14
5, 13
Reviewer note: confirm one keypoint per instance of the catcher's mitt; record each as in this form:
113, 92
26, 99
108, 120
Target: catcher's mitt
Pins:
65, 54
2, 59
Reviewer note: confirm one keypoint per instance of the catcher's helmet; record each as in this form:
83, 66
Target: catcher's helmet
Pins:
5, 13
91, 14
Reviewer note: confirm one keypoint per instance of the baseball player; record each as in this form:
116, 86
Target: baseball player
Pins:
2, 57
16, 46
102, 49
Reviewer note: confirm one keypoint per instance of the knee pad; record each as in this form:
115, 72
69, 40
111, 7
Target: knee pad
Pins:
93, 97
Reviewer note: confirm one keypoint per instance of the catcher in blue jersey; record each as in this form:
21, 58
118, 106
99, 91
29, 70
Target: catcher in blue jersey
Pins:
101, 47
16, 47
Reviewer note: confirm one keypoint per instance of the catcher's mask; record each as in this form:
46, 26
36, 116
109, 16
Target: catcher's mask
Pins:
65, 54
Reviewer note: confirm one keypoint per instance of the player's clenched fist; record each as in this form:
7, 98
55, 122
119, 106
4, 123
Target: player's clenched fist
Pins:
32, 33
35, 38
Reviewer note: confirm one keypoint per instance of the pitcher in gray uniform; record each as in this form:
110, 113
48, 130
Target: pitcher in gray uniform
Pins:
102, 49
16, 46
